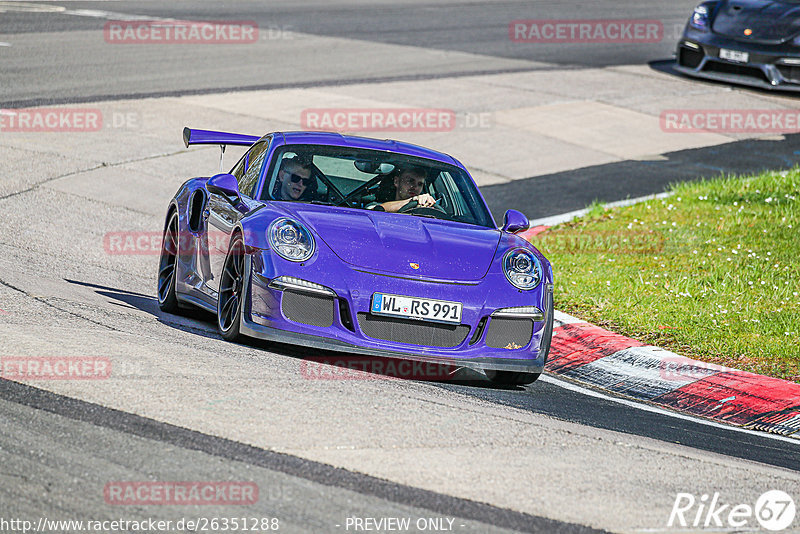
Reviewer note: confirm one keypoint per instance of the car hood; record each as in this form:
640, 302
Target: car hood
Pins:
403, 244
770, 22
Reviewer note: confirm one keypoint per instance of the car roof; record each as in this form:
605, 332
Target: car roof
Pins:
388, 145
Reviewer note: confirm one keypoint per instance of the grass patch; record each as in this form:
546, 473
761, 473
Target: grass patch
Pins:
711, 272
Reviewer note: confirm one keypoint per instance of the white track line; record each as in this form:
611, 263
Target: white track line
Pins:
565, 217
550, 379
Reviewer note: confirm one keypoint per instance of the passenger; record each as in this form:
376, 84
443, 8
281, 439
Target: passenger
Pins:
408, 183
294, 180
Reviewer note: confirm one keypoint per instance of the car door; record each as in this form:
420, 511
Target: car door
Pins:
224, 213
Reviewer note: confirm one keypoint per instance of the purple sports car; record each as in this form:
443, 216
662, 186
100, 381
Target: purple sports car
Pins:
358, 245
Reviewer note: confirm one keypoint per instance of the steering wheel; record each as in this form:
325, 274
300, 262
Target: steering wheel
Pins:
432, 211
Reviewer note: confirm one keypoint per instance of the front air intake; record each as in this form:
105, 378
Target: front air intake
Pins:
689, 58
509, 332
307, 308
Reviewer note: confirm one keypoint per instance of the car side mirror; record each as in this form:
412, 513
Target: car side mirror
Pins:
223, 184
515, 221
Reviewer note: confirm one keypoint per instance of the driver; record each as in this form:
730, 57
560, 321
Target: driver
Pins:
408, 183
294, 178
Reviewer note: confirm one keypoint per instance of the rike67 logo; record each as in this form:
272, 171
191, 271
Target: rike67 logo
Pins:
774, 511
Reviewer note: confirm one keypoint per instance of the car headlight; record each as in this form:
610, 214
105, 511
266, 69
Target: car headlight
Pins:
522, 268
699, 18
291, 240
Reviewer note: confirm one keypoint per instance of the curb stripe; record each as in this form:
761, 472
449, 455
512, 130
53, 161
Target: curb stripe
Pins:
532, 232
734, 396
578, 344
786, 423
639, 372
600, 358
562, 318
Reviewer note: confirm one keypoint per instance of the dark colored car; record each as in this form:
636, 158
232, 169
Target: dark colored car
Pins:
750, 42
329, 270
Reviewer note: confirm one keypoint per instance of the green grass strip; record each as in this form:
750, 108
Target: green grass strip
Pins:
711, 272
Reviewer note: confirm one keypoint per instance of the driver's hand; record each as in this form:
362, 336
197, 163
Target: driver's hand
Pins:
424, 200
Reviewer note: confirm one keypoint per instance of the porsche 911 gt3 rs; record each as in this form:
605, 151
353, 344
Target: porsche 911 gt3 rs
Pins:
294, 245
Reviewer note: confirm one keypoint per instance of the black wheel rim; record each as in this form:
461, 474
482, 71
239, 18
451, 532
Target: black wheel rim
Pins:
169, 255
230, 287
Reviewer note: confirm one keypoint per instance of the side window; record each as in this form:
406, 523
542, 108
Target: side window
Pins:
253, 161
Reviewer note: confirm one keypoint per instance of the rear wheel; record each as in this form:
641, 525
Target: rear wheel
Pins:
167, 267
231, 284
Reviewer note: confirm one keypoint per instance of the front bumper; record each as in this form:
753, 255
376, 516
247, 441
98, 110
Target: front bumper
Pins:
774, 67
342, 326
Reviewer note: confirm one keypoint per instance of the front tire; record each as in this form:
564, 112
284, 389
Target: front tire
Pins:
167, 267
231, 285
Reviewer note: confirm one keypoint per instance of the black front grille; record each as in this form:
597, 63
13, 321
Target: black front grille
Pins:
313, 310
509, 332
421, 333
688, 57
790, 73
738, 70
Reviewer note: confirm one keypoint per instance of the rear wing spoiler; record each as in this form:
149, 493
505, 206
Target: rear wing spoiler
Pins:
209, 137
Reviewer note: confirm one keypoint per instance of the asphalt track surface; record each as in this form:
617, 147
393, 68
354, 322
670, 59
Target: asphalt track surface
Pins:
476, 28
53, 447
88, 435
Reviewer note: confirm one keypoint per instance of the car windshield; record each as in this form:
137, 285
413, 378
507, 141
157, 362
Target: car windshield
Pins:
363, 179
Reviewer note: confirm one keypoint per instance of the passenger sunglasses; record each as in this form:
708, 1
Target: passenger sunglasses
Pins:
297, 178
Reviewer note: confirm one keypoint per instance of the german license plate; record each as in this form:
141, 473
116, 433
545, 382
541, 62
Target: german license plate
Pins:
441, 311
734, 55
